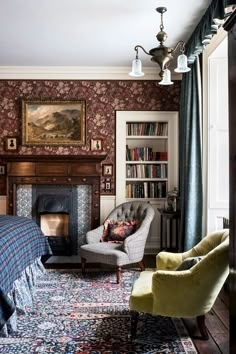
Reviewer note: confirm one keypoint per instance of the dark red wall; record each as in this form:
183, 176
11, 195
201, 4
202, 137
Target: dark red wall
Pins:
103, 98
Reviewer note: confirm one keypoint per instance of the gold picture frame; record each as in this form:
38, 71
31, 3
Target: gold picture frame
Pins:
54, 122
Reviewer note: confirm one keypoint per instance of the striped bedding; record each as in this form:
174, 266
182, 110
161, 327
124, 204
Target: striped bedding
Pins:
21, 243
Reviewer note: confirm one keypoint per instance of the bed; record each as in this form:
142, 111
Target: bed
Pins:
22, 244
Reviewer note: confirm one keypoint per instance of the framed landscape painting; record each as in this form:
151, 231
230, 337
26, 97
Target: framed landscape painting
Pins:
54, 122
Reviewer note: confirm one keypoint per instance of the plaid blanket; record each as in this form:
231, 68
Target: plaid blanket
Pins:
21, 242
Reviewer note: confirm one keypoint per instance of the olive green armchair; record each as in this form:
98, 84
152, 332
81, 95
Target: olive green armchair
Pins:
174, 290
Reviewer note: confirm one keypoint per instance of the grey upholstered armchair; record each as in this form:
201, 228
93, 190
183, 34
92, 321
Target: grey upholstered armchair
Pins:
120, 254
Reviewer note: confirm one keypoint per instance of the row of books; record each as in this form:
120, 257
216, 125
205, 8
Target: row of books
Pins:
151, 128
146, 190
146, 171
145, 154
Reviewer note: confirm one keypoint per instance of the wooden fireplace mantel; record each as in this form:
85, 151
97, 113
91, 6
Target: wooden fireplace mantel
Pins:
57, 165
61, 169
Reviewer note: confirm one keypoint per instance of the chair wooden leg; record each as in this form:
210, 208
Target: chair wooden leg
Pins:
134, 323
141, 265
83, 261
202, 327
118, 275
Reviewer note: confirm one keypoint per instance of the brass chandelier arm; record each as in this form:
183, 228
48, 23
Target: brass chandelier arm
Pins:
180, 44
139, 46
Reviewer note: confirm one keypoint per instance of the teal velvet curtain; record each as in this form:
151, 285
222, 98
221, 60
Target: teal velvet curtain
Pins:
213, 18
190, 147
190, 134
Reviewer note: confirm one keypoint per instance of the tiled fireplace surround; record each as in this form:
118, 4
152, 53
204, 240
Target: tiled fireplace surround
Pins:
79, 201
72, 180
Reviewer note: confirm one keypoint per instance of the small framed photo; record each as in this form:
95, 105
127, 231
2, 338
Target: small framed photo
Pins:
107, 186
11, 143
96, 144
2, 169
107, 170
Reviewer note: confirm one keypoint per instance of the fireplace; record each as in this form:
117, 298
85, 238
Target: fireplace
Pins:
62, 194
65, 207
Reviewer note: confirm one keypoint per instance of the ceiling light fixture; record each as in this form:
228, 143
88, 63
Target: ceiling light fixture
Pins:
162, 55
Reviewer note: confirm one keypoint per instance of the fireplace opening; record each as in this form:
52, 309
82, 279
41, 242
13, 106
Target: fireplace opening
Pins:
53, 214
55, 225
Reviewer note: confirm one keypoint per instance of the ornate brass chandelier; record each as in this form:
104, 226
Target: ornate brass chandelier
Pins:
162, 55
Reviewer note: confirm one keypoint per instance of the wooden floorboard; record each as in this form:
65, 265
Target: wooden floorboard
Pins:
217, 322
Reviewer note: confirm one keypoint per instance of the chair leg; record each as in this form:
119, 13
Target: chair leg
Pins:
141, 265
118, 275
83, 261
202, 327
134, 323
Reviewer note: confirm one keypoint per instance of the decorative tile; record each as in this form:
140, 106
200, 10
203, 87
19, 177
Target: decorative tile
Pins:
84, 202
24, 200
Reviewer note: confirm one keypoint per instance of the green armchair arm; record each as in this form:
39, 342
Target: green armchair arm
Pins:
168, 260
183, 291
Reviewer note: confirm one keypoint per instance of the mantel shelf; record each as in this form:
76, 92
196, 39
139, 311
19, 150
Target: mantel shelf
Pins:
54, 158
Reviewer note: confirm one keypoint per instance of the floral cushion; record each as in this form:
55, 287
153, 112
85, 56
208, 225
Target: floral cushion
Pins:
117, 231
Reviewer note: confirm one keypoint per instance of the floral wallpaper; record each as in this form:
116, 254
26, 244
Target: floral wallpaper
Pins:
103, 98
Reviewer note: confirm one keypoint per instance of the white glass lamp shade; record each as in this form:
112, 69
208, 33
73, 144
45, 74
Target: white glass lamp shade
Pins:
166, 80
182, 64
136, 68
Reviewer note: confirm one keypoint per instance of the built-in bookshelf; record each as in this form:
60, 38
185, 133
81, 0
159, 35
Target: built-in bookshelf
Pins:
146, 158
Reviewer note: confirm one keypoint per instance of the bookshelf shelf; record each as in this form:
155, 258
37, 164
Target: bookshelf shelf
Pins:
146, 179
146, 137
146, 162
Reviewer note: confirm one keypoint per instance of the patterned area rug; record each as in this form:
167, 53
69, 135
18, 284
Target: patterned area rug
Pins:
76, 314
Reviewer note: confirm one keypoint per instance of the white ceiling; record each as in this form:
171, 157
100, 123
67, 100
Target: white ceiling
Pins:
90, 32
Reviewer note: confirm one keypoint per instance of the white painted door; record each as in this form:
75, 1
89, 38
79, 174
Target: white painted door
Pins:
218, 139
